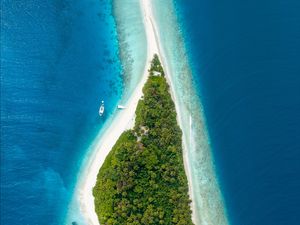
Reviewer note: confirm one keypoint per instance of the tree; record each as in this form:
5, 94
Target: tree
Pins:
143, 181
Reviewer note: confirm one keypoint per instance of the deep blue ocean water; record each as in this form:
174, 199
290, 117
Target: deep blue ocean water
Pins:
245, 56
59, 59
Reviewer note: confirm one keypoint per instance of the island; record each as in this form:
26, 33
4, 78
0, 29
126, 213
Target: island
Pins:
143, 180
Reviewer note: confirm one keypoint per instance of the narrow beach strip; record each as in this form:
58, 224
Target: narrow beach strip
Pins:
124, 120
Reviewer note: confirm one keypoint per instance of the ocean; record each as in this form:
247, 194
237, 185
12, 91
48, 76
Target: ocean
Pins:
234, 65
245, 60
59, 59
207, 201
132, 45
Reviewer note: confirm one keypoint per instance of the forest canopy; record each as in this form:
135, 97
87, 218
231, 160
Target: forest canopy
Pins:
143, 180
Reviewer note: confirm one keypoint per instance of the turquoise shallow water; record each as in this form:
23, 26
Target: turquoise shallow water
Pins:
132, 42
132, 45
207, 199
58, 60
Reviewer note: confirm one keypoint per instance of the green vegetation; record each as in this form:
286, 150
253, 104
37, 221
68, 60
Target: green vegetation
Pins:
156, 67
143, 181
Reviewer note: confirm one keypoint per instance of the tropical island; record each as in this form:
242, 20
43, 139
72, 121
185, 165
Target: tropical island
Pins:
142, 180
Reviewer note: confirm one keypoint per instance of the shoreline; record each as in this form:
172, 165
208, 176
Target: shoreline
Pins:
207, 205
123, 120
179, 121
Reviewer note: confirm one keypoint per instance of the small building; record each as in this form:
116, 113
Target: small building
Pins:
156, 73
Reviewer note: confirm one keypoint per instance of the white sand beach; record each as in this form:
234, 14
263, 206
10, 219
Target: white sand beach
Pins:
124, 120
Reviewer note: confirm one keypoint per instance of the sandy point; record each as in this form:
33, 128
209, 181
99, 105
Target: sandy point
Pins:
122, 121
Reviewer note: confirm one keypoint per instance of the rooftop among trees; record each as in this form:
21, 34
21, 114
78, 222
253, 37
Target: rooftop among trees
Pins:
143, 181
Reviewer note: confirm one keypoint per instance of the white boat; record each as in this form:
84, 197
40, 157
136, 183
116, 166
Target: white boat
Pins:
101, 109
121, 107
